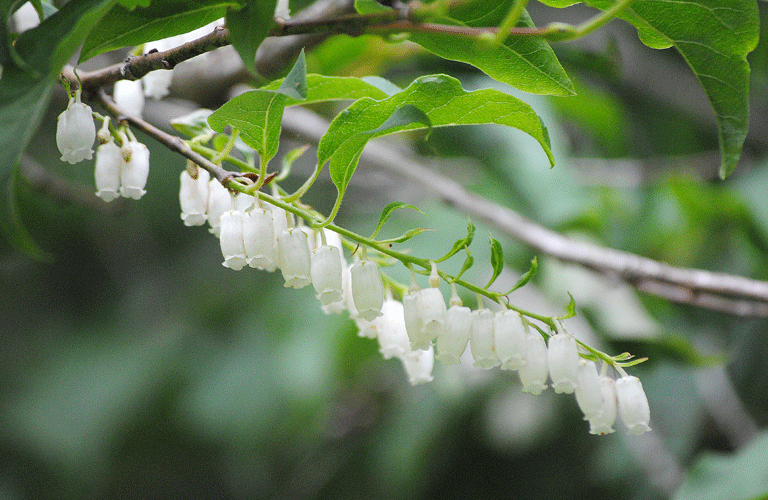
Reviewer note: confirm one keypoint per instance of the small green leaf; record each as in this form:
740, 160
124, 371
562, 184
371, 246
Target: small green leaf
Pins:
459, 244
560, 3
526, 277
406, 236
295, 84
627, 364
497, 260
194, 124
714, 38
162, 19
570, 309
370, 7
387, 213
442, 100
248, 27
467, 264
525, 62
288, 159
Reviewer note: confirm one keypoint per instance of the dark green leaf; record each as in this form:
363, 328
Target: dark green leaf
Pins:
23, 96
295, 84
497, 260
739, 476
459, 244
526, 277
527, 63
132, 4
12, 226
332, 88
443, 101
162, 19
370, 6
714, 38
249, 26
403, 115
387, 213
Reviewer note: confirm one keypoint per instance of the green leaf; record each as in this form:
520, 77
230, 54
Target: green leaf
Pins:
24, 96
162, 19
459, 244
295, 84
442, 100
132, 4
526, 277
406, 236
527, 63
12, 226
249, 26
331, 88
467, 264
497, 260
560, 3
387, 213
570, 309
714, 38
739, 476
382, 84
402, 116
370, 7
194, 124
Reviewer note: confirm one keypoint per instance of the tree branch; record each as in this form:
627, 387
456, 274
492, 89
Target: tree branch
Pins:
718, 291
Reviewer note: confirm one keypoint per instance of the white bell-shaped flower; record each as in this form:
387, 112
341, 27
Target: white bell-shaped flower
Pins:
231, 240
432, 310
390, 330
279, 220
75, 131
367, 289
603, 423
633, 404
259, 237
157, 83
219, 201
193, 197
326, 274
109, 160
294, 256
129, 97
135, 170
418, 365
413, 324
452, 343
589, 394
563, 358
481, 339
509, 338
244, 202
534, 373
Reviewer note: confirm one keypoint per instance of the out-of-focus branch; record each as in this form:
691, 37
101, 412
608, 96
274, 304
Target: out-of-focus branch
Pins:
718, 291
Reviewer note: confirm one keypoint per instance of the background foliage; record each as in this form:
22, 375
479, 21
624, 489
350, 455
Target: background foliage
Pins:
133, 365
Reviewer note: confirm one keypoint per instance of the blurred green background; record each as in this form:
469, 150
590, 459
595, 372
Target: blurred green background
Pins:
133, 365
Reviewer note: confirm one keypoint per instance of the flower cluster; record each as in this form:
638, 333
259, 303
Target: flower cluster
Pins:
411, 329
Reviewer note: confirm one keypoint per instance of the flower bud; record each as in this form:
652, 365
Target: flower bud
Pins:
367, 289
509, 339
533, 374
453, 341
129, 97
481, 339
231, 239
294, 256
135, 170
259, 238
589, 394
603, 423
418, 365
107, 171
75, 131
326, 274
563, 358
193, 197
633, 405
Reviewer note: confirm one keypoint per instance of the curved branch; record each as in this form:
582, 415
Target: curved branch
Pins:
718, 291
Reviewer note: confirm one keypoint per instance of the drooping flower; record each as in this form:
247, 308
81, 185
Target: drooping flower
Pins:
76, 131
326, 274
389, 329
259, 238
481, 339
413, 324
231, 240
432, 310
219, 201
294, 256
418, 365
129, 96
563, 358
109, 160
603, 423
157, 83
509, 339
135, 170
589, 393
633, 405
367, 289
193, 197
452, 343
534, 373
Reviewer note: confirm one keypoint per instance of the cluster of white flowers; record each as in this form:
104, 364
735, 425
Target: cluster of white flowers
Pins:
119, 171
263, 237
